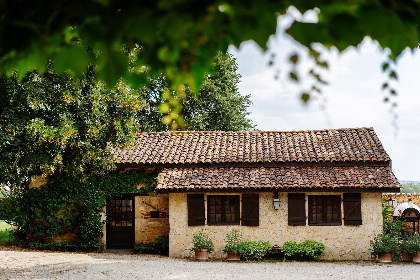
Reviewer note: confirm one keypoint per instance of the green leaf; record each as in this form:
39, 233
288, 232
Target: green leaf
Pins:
393, 75
112, 66
294, 58
293, 76
384, 85
305, 97
385, 66
73, 58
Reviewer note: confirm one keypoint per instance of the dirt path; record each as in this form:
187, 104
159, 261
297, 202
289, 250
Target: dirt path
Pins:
19, 264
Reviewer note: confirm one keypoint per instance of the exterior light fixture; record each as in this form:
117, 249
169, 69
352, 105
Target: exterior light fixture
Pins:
392, 202
276, 201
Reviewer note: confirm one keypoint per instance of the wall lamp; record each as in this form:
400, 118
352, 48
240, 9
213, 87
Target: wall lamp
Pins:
276, 201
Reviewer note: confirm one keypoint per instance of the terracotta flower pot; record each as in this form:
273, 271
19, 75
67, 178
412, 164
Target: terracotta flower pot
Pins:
202, 254
232, 257
385, 258
406, 257
416, 258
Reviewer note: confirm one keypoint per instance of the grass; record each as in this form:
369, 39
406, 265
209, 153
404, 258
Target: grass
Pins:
5, 237
4, 225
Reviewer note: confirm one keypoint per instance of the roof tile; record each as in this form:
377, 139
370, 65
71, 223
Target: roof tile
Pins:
192, 147
276, 178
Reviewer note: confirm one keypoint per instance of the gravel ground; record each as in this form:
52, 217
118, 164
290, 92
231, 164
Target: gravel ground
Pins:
24, 264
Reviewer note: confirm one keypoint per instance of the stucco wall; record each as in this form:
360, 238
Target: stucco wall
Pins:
342, 242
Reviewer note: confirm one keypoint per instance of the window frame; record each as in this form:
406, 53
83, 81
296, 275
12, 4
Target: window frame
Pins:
235, 199
324, 198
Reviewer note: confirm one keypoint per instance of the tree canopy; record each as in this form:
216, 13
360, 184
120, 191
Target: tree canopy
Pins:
218, 105
53, 123
180, 38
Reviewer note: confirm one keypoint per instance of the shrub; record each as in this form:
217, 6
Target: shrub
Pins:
290, 250
308, 249
411, 243
311, 249
385, 243
255, 250
233, 242
6, 237
201, 241
161, 246
59, 246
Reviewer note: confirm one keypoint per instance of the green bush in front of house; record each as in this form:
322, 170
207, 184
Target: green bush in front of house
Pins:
306, 250
254, 250
161, 246
65, 205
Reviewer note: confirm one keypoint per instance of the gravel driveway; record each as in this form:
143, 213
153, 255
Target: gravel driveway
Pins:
20, 264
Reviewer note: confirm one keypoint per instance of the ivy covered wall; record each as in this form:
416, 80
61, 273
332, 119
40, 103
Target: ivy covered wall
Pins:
64, 205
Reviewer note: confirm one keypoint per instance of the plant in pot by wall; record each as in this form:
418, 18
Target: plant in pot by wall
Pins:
385, 246
407, 247
202, 246
412, 246
233, 246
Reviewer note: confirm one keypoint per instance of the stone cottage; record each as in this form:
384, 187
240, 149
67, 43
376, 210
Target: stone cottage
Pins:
323, 185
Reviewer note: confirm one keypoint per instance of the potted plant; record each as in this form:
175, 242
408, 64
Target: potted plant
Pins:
385, 246
407, 247
233, 247
413, 247
202, 246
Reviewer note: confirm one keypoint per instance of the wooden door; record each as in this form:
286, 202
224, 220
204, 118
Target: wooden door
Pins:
120, 222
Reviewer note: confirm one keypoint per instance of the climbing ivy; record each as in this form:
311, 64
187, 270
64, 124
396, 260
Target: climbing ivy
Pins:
65, 205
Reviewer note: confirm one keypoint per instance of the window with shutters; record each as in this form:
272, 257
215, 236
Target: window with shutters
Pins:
196, 216
250, 210
324, 209
296, 209
352, 204
223, 209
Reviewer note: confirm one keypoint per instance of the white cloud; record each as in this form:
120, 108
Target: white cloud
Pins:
353, 99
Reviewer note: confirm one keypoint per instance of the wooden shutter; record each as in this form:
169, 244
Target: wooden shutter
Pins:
196, 215
352, 204
250, 210
296, 209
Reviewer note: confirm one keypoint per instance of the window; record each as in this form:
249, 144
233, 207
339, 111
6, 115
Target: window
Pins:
223, 209
324, 209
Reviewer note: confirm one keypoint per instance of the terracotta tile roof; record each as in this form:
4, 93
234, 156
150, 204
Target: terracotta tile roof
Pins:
281, 178
332, 145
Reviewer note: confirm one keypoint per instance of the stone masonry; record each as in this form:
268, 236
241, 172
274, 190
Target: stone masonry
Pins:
342, 242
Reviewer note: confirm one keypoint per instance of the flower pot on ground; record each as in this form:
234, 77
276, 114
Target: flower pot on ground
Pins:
201, 254
233, 246
385, 258
233, 257
202, 245
416, 258
411, 244
383, 245
407, 247
406, 257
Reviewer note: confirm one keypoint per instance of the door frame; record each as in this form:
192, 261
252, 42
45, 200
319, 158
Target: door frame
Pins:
111, 230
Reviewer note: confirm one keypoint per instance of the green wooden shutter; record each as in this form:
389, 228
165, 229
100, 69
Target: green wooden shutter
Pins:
250, 210
296, 209
352, 204
195, 204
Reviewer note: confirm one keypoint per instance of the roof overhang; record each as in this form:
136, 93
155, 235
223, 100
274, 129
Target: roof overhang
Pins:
281, 179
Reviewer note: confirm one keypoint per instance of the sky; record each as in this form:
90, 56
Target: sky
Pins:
353, 97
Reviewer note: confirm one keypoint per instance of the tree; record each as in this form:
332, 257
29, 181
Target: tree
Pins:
411, 187
218, 105
180, 38
55, 123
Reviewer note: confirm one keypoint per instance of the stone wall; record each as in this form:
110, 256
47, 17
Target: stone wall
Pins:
403, 197
342, 242
146, 227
